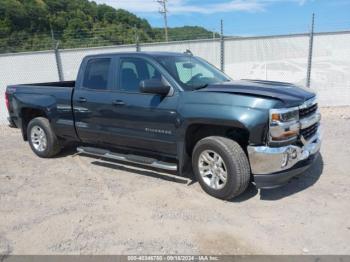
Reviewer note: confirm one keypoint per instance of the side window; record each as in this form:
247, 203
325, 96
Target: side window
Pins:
135, 70
130, 66
96, 74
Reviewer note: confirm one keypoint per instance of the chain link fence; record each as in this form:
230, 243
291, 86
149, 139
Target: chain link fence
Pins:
25, 68
278, 58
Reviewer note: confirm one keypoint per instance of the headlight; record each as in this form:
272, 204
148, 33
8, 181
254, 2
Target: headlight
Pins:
284, 124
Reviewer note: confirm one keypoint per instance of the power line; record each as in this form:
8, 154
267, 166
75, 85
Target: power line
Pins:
163, 10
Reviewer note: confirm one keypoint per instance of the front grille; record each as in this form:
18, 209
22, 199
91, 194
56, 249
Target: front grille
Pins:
305, 112
309, 132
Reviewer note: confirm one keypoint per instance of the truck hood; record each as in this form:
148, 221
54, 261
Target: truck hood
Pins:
290, 94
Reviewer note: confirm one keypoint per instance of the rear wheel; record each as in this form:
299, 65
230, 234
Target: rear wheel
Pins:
221, 167
42, 139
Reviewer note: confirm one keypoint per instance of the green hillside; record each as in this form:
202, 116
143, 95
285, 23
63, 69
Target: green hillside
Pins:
25, 25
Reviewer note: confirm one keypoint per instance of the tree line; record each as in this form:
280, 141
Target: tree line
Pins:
31, 25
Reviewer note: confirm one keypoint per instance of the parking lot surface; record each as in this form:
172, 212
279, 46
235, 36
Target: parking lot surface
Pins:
81, 205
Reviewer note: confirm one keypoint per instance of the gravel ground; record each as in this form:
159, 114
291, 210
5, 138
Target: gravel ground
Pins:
81, 205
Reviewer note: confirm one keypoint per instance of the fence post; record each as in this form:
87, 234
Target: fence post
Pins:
55, 45
59, 62
222, 47
311, 45
137, 40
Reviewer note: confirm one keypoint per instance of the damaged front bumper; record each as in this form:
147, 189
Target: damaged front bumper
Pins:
275, 166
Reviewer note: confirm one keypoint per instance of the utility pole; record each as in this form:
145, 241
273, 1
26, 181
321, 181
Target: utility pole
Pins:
311, 45
164, 11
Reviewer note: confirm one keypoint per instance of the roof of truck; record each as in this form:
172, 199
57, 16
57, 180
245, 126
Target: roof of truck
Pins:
151, 54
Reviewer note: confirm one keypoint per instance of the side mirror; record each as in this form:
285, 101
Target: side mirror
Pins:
154, 86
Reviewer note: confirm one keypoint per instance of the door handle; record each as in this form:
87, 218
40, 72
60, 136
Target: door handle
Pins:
82, 100
118, 103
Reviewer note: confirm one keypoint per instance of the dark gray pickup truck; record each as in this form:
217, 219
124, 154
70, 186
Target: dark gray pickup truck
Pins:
171, 111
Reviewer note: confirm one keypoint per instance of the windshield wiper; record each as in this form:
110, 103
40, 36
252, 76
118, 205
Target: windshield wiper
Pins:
200, 87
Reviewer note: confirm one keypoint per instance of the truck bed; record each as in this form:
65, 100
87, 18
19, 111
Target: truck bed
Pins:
53, 84
52, 99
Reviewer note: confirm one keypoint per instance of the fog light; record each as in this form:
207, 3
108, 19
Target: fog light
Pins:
293, 153
289, 154
285, 159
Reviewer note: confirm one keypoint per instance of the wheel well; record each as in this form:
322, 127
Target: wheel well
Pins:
27, 115
197, 132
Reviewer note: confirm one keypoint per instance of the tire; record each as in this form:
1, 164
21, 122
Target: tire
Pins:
234, 162
38, 130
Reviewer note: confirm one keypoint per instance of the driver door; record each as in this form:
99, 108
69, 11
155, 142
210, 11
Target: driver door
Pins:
144, 121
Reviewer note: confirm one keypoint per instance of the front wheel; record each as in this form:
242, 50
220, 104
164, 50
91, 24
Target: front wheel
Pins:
42, 139
221, 167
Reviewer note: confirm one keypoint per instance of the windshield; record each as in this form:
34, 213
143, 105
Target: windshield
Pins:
192, 72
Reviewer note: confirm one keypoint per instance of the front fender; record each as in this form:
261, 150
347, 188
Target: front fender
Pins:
237, 111
253, 120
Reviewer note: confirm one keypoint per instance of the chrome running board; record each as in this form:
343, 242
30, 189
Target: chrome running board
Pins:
146, 161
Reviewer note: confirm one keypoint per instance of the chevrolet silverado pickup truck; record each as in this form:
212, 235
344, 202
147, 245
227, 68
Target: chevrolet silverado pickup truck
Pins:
174, 111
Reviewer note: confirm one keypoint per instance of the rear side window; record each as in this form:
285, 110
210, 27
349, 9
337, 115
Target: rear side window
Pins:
96, 74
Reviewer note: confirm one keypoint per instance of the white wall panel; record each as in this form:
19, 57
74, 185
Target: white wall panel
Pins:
331, 69
270, 58
209, 49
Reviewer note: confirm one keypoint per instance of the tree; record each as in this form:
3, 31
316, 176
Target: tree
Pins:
26, 25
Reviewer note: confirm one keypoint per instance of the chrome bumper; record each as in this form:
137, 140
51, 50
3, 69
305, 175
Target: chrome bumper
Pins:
269, 160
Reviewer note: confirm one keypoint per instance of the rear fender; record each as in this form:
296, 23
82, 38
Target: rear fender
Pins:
45, 104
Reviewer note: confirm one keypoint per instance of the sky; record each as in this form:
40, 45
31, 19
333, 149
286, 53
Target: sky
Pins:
245, 17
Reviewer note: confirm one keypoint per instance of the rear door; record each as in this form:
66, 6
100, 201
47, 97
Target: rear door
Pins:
92, 99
